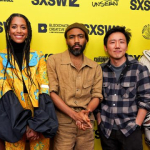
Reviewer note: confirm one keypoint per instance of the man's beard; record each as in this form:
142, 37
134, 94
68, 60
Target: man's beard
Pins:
76, 52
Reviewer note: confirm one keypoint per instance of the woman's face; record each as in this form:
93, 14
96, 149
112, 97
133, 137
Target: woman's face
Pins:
18, 31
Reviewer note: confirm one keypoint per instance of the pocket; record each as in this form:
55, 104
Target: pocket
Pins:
128, 90
87, 86
106, 89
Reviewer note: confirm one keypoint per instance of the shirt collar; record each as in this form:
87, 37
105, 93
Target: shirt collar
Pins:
67, 60
130, 60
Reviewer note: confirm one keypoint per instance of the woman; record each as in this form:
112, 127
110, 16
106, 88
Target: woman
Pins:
145, 60
25, 104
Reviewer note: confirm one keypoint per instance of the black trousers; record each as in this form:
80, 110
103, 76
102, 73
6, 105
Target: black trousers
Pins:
118, 141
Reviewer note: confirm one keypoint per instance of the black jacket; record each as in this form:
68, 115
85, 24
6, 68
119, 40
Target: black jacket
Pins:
14, 119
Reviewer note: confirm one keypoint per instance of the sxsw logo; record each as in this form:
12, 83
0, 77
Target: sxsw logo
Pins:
140, 5
42, 28
2, 24
70, 3
98, 29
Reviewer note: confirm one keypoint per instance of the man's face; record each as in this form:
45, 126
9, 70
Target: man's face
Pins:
76, 41
116, 46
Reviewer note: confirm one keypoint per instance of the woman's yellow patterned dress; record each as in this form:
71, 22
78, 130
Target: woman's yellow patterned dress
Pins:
28, 101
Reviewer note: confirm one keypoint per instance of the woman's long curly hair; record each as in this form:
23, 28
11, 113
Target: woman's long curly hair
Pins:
26, 49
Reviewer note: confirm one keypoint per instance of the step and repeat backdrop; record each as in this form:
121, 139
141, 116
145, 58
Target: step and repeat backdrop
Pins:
49, 19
